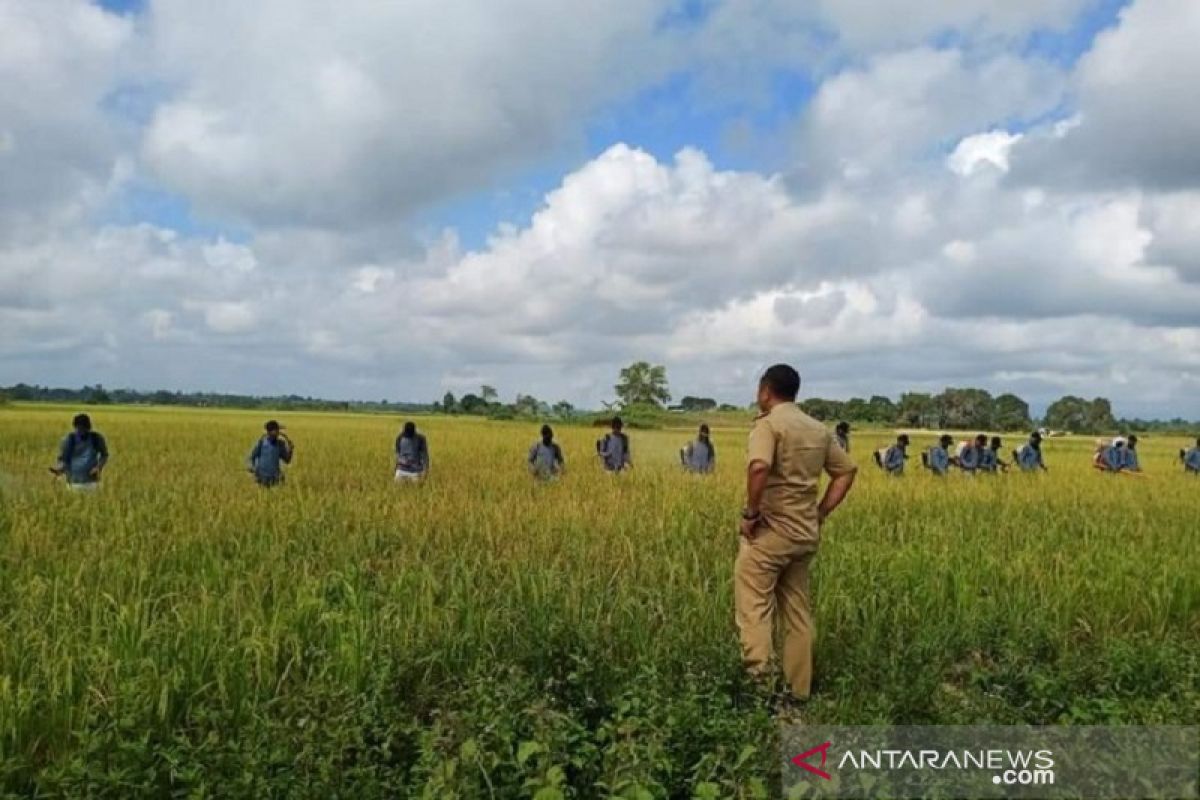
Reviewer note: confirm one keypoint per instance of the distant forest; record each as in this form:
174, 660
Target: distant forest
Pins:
952, 409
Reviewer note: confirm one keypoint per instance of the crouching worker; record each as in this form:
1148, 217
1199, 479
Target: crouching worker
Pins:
937, 458
970, 456
269, 455
1191, 459
1114, 456
990, 460
1131, 462
82, 456
545, 457
699, 456
412, 454
1029, 457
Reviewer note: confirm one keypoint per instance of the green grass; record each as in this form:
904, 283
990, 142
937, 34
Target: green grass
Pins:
185, 634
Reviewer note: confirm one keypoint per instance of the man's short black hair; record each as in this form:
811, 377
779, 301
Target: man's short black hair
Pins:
946, 439
617, 424
981, 438
547, 430
782, 381
272, 425
902, 439
704, 427
843, 427
410, 428
1133, 438
82, 421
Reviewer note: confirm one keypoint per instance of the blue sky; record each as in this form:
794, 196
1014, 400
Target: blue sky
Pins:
662, 119
907, 195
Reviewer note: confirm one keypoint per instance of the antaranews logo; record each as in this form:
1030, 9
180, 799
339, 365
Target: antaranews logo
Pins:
910, 762
802, 760
1008, 767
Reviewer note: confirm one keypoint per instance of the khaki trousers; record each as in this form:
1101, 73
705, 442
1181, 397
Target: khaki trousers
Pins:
771, 573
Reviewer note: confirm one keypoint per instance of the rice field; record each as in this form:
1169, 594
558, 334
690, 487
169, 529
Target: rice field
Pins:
183, 633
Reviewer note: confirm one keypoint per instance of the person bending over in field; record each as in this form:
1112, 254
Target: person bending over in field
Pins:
82, 456
1114, 456
412, 454
1029, 457
613, 449
1191, 459
1122, 457
989, 459
269, 455
891, 460
546, 460
699, 456
842, 434
1131, 462
970, 456
937, 458
781, 528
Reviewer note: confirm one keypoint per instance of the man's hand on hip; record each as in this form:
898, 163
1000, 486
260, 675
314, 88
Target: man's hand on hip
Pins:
749, 528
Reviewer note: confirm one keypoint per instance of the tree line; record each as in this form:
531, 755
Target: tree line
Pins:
642, 385
643, 396
98, 395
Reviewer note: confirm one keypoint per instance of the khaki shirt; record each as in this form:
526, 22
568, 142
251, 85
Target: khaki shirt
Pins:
797, 448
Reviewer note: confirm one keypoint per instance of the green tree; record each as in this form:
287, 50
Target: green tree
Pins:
964, 409
819, 408
881, 409
856, 409
472, 404
917, 410
449, 404
1100, 417
527, 405
1067, 413
563, 409
1074, 414
690, 403
643, 384
96, 396
488, 393
1010, 413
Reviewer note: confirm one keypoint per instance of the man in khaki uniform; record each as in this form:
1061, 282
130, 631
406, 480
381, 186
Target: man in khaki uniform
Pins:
781, 526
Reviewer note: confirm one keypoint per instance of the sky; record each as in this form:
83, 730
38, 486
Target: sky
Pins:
365, 200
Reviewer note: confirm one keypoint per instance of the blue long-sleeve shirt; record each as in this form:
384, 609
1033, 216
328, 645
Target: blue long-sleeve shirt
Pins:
1191, 460
989, 460
893, 460
79, 455
412, 453
1114, 458
268, 457
545, 460
1131, 462
698, 456
939, 460
971, 458
1030, 458
614, 452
